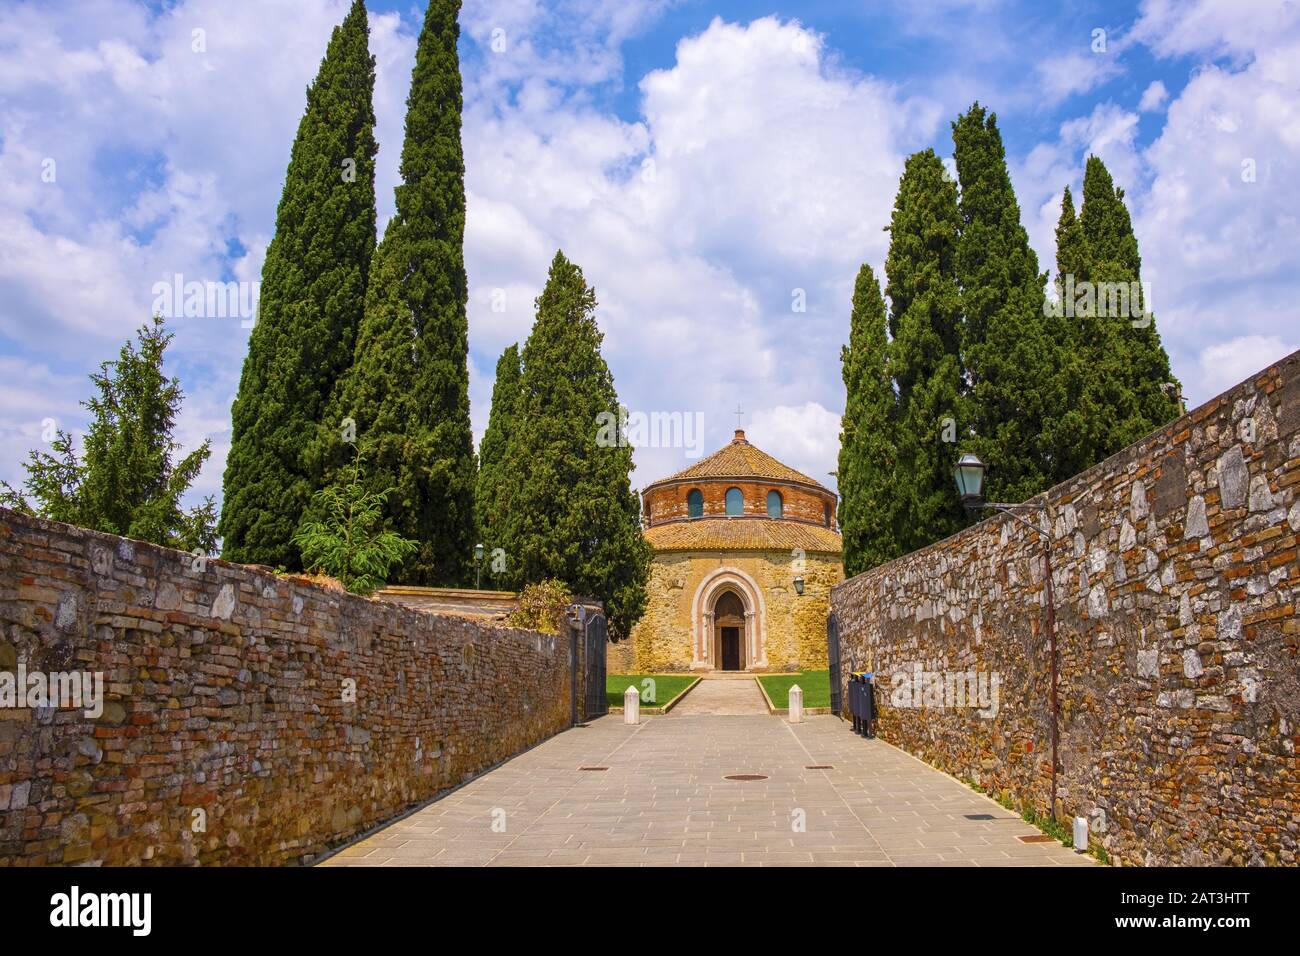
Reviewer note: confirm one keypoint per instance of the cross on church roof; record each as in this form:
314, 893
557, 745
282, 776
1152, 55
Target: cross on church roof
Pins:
739, 414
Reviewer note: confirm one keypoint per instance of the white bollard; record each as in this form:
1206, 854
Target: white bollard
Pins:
1081, 834
796, 704
631, 705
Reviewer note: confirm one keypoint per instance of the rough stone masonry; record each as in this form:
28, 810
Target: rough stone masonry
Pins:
247, 718
1176, 581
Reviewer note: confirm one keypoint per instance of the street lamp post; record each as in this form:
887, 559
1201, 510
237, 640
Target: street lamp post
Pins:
969, 475
478, 561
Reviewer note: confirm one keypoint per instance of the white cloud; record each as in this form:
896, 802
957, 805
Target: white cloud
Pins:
1153, 97
1216, 27
799, 435
1224, 179
1224, 364
771, 170
1069, 74
164, 157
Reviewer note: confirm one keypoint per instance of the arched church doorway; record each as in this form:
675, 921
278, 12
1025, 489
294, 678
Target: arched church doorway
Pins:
729, 631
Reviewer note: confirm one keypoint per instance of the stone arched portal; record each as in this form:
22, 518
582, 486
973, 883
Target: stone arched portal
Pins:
728, 598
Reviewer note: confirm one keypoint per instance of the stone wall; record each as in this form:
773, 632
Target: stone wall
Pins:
460, 602
1176, 581
793, 625
248, 718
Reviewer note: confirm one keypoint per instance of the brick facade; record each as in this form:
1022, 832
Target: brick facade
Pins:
667, 501
1176, 581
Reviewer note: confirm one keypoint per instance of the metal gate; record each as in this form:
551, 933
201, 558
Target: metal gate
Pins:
597, 636
833, 655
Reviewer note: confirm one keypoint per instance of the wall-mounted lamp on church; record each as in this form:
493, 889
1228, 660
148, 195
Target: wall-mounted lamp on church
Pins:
798, 586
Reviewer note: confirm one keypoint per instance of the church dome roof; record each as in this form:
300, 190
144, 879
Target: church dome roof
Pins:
740, 498
739, 460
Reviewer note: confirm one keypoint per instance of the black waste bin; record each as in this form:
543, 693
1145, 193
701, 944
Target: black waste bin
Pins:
855, 705
862, 702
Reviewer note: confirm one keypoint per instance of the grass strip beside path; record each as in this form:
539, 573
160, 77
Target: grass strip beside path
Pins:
816, 686
666, 687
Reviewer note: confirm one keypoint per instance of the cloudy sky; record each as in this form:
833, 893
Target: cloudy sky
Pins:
708, 164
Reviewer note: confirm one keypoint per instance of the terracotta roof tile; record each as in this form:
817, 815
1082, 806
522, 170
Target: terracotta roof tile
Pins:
742, 534
740, 459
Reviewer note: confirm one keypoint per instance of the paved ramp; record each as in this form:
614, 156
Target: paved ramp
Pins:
723, 697
658, 795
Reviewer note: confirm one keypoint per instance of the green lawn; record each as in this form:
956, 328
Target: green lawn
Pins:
816, 686
666, 687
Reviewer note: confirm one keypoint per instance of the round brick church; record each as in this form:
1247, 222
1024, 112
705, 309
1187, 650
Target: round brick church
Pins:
746, 550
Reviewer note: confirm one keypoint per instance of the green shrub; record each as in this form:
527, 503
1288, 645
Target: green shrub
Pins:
350, 542
542, 607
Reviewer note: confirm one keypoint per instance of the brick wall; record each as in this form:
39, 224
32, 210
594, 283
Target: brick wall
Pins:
667, 502
228, 735
1176, 581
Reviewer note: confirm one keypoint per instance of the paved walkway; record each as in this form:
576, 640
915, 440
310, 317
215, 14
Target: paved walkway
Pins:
722, 696
664, 801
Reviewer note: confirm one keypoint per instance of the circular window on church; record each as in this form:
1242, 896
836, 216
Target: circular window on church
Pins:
775, 506
735, 502
695, 504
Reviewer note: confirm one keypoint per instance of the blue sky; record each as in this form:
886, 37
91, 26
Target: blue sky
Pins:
705, 163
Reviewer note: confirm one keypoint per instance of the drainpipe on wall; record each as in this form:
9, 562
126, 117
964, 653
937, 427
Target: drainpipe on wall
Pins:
1051, 638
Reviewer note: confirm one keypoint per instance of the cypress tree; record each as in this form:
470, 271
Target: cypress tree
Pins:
1110, 379
866, 475
312, 296
1138, 357
1070, 257
1076, 434
1010, 356
925, 325
407, 392
491, 454
568, 511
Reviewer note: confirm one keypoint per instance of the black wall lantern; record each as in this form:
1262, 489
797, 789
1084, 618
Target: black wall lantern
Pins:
969, 474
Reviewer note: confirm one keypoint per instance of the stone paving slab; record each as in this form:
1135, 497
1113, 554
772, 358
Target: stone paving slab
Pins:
664, 801
722, 697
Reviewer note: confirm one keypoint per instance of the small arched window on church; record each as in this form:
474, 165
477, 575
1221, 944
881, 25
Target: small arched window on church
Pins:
826, 515
775, 506
735, 502
695, 504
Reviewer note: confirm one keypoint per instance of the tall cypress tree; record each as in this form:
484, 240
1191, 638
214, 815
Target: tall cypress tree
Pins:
312, 296
868, 456
1113, 257
1010, 356
408, 389
1110, 380
925, 325
491, 453
568, 510
1075, 436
